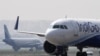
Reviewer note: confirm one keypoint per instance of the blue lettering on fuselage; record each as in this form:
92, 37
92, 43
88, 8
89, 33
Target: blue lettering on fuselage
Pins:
88, 27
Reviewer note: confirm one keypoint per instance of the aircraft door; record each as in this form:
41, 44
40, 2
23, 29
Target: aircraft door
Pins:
75, 28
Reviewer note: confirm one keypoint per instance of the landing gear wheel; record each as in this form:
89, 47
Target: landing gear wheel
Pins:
16, 48
31, 49
81, 54
57, 54
84, 54
64, 54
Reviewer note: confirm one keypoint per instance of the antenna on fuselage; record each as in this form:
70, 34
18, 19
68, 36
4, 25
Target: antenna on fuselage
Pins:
65, 16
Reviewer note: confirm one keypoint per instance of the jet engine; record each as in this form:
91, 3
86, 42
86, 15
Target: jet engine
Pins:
52, 49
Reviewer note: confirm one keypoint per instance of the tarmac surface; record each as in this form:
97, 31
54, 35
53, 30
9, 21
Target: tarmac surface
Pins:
40, 53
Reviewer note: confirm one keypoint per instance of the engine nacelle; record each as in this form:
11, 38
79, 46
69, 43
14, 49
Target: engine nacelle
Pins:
52, 49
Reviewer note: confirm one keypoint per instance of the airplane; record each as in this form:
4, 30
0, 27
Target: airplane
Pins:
18, 43
66, 32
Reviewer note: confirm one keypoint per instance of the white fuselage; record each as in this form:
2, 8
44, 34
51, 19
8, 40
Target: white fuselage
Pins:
58, 34
26, 42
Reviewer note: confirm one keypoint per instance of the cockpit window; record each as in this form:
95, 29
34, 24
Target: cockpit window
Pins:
56, 26
65, 27
60, 26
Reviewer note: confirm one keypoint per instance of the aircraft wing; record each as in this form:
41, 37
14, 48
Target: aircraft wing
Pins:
39, 34
16, 28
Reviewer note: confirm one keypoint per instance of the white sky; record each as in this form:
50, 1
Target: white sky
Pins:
49, 9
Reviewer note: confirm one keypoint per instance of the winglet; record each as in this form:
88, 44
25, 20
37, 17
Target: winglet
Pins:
17, 22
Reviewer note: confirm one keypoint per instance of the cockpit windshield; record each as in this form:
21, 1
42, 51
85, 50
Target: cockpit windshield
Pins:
60, 26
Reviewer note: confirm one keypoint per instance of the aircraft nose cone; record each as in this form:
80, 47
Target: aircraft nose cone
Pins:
54, 37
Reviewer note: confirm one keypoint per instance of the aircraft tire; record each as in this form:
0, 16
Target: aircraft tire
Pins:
16, 48
81, 54
84, 54
64, 54
31, 49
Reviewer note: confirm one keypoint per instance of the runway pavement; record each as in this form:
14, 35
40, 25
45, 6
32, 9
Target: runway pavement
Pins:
39, 53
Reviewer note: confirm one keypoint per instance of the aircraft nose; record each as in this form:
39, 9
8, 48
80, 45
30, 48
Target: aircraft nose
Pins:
54, 37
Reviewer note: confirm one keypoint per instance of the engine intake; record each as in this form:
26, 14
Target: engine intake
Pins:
52, 49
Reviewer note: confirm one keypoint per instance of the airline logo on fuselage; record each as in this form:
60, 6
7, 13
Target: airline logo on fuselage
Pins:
88, 27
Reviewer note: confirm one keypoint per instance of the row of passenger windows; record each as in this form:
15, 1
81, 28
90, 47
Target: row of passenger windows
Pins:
60, 26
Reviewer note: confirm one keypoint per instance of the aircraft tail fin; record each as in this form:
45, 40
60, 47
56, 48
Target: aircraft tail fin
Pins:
6, 32
17, 22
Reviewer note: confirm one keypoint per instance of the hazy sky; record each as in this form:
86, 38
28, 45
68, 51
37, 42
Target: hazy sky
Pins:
49, 9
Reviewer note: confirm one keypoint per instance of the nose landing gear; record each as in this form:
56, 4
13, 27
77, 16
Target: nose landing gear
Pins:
64, 53
81, 53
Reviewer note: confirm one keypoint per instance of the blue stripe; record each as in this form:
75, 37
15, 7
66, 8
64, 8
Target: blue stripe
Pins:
83, 39
92, 42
